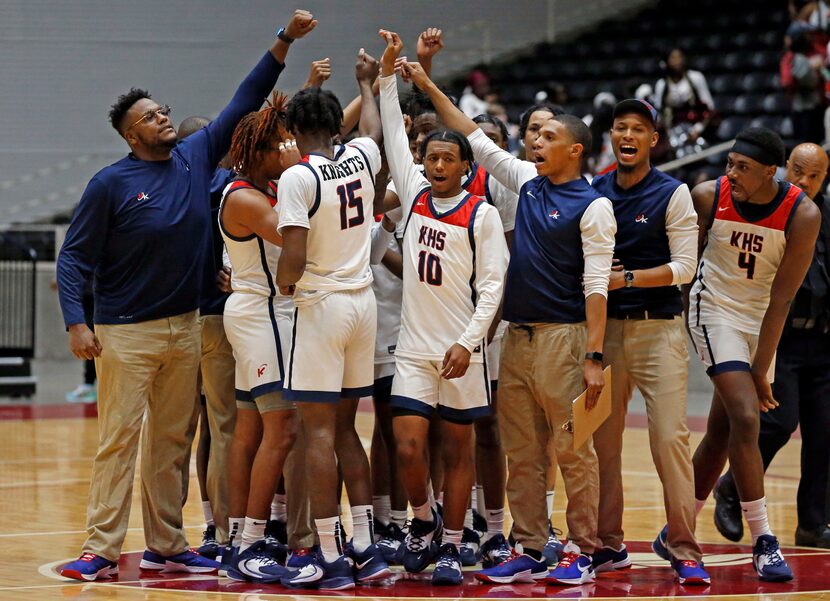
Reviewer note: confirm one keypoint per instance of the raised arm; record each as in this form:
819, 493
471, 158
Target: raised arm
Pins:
406, 176
430, 43
366, 71
801, 244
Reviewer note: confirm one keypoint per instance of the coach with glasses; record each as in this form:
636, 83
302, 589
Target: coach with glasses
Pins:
140, 231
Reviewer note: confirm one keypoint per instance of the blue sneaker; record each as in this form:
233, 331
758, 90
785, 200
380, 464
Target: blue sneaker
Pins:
306, 576
608, 560
390, 543
495, 551
768, 560
687, 571
470, 545
659, 544
255, 564
229, 554
448, 567
516, 568
337, 575
209, 548
553, 548
573, 568
370, 565
187, 561
89, 567
300, 558
421, 543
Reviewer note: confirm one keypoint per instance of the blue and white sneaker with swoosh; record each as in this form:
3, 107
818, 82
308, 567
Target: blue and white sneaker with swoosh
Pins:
370, 565
659, 545
574, 567
768, 561
256, 564
307, 576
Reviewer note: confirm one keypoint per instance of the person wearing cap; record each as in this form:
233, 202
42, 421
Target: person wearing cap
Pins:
756, 240
645, 341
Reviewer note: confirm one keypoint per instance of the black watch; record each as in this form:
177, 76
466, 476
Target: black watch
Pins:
629, 278
593, 357
283, 36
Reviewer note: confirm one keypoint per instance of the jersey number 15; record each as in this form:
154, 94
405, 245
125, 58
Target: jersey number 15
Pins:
348, 200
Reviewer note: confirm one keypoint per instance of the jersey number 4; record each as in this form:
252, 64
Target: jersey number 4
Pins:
429, 268
747, 261
348, 200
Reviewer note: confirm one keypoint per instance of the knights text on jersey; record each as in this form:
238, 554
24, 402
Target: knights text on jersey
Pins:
740, 260
332, 198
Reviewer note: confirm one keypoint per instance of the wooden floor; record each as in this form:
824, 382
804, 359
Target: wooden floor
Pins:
44, 471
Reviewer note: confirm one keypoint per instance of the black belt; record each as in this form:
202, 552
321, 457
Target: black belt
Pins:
642, 315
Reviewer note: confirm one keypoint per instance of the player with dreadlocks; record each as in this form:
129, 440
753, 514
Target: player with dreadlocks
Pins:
258, 325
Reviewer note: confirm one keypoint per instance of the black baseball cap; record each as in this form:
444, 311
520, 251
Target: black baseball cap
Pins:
641, 107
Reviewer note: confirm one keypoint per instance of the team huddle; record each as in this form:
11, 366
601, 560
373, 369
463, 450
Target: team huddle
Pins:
472, 294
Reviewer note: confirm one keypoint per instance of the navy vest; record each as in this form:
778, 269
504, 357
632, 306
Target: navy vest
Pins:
641, 241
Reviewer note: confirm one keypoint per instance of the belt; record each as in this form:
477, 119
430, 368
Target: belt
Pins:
803, 323
642, 315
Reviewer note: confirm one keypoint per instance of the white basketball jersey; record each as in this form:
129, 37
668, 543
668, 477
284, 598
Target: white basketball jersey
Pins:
388, 294
334, 201
253, 260
740, 260
439, 295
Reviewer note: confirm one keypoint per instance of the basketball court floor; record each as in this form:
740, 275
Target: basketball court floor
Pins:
45, 462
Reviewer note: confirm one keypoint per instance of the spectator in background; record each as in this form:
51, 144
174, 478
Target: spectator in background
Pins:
682, 97
554, 92
601, 159
804, 84
474, 99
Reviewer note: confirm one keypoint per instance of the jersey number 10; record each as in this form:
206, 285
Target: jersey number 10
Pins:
348, 200
429, 268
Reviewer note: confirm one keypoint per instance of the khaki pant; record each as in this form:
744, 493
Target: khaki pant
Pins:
300, 529
217, 371
651, 355
541, 374
144, 367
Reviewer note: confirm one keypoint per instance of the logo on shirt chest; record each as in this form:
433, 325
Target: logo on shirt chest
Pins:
641, 218
747, 242
432, 237
142, 196
554, 214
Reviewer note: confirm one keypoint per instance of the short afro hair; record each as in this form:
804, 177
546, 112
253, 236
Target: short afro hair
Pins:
315, 109
768, 141
579, 132
123, 104
524, 120
418, 103
484, 118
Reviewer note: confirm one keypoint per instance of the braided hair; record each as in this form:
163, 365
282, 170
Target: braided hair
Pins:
259, 132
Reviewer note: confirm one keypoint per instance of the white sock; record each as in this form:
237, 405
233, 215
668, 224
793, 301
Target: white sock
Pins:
468, 519
235, 531
382, 506
279, 508
208, 513
495, 522
482, 505
699, 505
440, 498
328, 529
549, 499
430, 494
253, 532
363, 527
452, 537
423, 512
398, 517
755, 513
474, 498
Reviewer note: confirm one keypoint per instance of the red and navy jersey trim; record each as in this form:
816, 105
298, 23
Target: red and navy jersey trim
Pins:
777, 218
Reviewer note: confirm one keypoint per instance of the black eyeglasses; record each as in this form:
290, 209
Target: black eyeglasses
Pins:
164, 111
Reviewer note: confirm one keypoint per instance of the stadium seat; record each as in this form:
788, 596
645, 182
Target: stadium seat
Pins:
749, 104
776, 103
730, 127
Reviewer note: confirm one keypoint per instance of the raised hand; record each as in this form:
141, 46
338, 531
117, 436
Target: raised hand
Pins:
366, 68
430, 43
301, 23
320, 71
394, 45
416, 73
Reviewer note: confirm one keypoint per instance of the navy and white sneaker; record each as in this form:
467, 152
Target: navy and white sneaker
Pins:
229, 554
470, 545
494, 551
687, 571
421, 543
659, 545
553, 548
391, 542
448, 567
255, 564
89, 566
768, 560
306, 576
187, 561
334, 576
573, 568
300, 558
209, 548
370, 565
608, 560
516, 568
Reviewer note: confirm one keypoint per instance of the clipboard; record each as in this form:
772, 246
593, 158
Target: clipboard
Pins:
584, 423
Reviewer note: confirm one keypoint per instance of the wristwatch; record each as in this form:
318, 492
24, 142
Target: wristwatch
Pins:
593, 356
629, 278
283, 36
